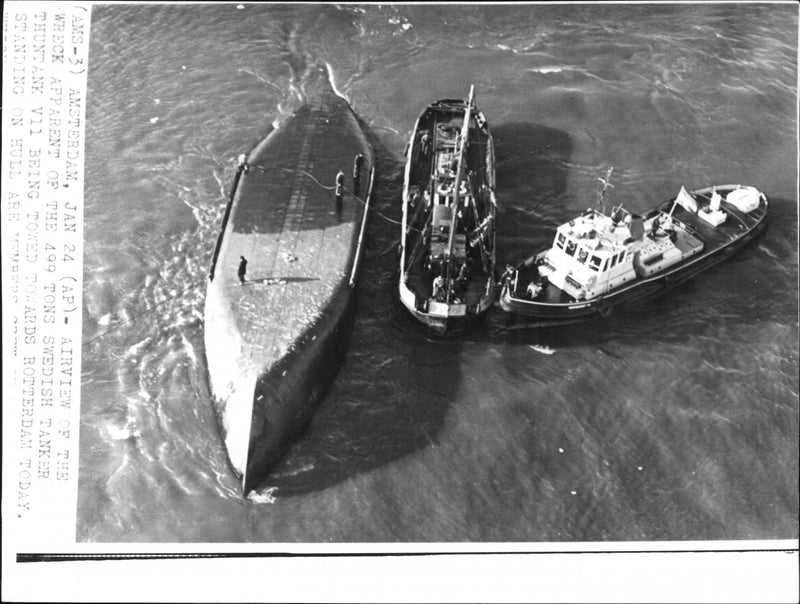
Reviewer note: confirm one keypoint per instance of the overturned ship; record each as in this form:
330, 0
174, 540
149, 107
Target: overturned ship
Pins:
281, 281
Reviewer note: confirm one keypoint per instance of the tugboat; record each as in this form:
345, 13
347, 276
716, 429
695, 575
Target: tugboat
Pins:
598, 262
447, 246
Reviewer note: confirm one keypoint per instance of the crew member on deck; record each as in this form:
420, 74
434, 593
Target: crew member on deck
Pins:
414, 197
461, 280
533, 290
339, 190
425, 143
242, 268
438, 287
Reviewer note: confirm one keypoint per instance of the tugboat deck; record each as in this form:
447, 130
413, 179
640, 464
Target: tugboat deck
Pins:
447, 242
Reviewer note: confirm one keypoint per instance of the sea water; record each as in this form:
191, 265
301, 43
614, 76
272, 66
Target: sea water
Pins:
674, 421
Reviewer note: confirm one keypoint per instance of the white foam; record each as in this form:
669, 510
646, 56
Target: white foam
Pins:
542, 349
266, 496
122, 432
333, 83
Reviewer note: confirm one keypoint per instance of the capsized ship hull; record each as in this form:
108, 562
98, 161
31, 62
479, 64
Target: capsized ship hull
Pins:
274, 342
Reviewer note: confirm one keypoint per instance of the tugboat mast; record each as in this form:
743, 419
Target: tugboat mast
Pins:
462, 147
601, 194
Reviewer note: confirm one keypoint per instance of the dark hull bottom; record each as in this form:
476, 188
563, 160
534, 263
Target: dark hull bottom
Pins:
605, 306
449, 326
286, 397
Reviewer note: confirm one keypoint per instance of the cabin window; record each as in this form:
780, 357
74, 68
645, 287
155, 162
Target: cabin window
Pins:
621, 256
614, 261
582, 256
595, 263
571, 245
605, 265
560, 240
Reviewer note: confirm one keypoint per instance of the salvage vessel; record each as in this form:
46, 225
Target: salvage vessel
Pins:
599, 262
447, 246
282, 277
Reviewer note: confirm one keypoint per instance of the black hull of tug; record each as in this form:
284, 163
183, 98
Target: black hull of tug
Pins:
441, 189
643, 290
446, 327
274, 343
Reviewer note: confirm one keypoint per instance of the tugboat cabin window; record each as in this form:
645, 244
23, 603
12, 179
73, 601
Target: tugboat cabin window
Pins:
571, 247
582, 256
595, 263
560, 240
614, 261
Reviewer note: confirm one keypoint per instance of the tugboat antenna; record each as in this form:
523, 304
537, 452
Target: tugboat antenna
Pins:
601, 194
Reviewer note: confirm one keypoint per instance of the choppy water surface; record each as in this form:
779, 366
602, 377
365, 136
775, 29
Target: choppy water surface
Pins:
677, 421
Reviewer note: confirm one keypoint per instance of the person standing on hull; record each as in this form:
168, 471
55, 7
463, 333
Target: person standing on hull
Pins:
339, 190
243, 166
242, 269
357, 163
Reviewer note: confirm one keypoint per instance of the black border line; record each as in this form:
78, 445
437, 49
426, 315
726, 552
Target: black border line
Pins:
43, 557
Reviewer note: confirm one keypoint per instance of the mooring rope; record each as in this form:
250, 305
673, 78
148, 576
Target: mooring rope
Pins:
331, 188
529, 153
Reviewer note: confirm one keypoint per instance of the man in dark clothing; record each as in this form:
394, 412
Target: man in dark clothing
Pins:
339, 190
242, 268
